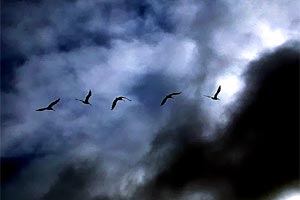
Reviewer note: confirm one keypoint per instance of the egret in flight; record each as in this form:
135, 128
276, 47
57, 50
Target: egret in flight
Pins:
215, 97
86, 100
49, 107
116, 100
169, 96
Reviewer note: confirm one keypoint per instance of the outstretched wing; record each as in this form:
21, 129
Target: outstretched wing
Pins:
176, 93
218, 91
164, 101
126, 98
207, 96
88, 96
114, 104
53, 103
41, 109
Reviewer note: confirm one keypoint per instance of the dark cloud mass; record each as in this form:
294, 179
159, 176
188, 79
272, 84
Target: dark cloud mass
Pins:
73, 182
258, 151
245, 146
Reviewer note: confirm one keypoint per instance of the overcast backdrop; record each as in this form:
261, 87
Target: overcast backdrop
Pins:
245, 146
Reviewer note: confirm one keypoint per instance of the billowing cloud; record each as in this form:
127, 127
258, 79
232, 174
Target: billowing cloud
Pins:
190, 148
256, 153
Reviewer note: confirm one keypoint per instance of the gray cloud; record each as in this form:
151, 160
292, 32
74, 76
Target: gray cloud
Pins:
141, 49
258, 144
72, 182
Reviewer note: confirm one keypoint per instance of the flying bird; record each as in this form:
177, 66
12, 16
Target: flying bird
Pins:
118, 99
86, 100
215, 97
169, 96
49, 107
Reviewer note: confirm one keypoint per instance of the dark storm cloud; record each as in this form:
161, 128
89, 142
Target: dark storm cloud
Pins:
75, 179
72, 182
13, 165
268, 127
143, 49
259, 150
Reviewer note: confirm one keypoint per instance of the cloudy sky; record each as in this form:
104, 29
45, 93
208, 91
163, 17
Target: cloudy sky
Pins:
245, 146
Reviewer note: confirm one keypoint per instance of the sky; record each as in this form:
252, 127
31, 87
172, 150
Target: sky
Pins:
244, 146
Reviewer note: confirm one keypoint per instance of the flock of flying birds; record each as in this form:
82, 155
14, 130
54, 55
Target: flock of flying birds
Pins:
122, 98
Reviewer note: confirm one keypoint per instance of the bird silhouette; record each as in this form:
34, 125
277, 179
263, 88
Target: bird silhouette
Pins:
169, 96
215, 97
86, 100
118, 99
49, 107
